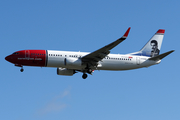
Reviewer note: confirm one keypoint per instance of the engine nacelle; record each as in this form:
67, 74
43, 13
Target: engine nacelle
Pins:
72, 62
65, 71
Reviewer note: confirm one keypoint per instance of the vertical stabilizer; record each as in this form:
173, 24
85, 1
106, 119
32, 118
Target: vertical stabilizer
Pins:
153, 46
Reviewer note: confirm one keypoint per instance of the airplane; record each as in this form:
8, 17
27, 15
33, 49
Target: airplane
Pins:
68, 63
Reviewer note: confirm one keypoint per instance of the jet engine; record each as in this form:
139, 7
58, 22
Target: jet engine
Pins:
65, 71
72, 62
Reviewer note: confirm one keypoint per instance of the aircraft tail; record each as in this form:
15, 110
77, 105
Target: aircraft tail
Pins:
153, 46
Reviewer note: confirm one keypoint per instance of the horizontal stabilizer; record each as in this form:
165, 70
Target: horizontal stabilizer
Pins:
161, 56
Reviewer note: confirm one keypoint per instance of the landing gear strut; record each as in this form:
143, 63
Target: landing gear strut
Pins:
84, 76
21, 69
89, 71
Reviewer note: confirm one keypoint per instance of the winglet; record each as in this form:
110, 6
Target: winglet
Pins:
161, 31
127, 32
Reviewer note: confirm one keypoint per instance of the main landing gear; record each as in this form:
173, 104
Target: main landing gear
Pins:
89, 71
84, 76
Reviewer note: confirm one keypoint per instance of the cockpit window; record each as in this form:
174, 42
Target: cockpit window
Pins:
15, 53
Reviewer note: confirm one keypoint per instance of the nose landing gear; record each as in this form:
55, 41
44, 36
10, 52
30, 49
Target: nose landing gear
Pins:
18, 65
22, 69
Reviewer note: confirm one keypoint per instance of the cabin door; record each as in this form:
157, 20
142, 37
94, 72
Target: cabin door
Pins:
138, 60
27, 54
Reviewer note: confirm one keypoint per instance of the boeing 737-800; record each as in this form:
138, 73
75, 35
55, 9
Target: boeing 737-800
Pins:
69, 63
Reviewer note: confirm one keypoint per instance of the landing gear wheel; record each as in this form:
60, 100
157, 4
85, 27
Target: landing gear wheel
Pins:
84, 76
21, 69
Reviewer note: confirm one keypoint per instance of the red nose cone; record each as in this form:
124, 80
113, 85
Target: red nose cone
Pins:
8, 58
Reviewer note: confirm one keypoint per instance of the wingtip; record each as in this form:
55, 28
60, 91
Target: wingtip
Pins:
162, 31
172, 50
127, 32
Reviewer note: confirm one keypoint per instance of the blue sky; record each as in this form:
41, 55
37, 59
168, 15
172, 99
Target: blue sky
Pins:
40, 94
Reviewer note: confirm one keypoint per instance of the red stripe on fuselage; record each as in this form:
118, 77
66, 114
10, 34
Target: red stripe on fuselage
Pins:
28, 58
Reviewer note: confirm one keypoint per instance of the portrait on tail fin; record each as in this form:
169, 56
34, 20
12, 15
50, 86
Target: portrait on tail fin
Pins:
155, 51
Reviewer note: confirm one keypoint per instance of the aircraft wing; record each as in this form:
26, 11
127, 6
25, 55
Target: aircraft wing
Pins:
96, 56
